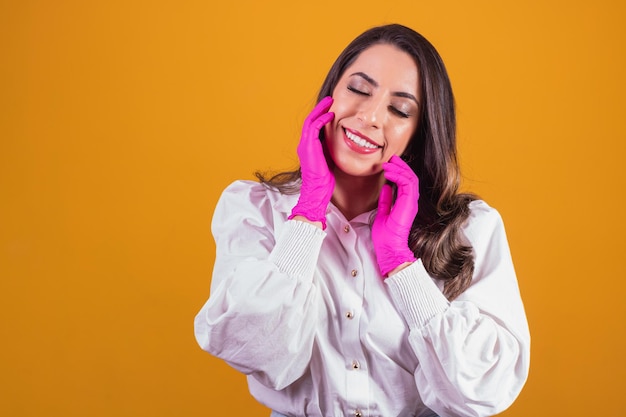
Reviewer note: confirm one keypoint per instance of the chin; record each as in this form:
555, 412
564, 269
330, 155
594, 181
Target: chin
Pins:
359, 168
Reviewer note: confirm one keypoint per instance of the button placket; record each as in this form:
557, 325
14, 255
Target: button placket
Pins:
350, 307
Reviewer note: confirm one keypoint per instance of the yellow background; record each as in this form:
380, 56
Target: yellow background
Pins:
121, 122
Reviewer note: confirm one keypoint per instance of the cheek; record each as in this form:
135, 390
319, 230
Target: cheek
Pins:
336, 108
402, 137
339, 109
341, 103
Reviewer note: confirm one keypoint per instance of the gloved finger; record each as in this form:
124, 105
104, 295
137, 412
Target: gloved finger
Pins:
321, 108
396, 160
400, 177
408, 183
396, 164
385, 200
310, 147
309, 142
321, 121
406, 203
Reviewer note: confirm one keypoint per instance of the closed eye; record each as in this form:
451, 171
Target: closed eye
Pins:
356, 91
399, 113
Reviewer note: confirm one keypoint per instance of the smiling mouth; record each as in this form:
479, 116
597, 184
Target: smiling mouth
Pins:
360, 141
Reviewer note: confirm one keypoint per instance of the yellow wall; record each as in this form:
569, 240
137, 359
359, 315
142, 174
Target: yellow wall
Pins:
121, 122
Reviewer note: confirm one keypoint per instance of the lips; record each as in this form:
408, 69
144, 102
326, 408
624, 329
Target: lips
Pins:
359, 143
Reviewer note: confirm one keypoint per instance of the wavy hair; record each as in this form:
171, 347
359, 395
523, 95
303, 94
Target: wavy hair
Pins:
436, 235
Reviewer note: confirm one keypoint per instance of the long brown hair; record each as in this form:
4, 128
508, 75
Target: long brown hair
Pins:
436, 233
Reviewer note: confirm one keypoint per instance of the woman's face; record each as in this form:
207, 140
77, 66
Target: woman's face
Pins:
376, 106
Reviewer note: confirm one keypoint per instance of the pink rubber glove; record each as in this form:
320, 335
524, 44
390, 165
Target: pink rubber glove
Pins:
318, 182
391, 228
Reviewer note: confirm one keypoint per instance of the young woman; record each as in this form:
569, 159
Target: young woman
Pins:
364, 283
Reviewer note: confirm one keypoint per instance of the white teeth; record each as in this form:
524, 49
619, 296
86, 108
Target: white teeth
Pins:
360, 141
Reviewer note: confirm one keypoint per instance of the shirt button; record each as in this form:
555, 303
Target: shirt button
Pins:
358, 413
346, 228
354, 273
355, 364
350, 315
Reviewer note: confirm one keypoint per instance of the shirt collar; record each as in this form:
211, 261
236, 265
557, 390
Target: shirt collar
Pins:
286, 202
361, 219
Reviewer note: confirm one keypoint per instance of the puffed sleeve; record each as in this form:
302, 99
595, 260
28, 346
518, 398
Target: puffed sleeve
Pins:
473, 352
261, 314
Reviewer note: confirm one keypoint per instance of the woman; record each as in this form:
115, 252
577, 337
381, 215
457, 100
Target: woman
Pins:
364, 284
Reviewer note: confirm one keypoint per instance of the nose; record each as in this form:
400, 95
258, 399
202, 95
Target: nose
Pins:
371, 112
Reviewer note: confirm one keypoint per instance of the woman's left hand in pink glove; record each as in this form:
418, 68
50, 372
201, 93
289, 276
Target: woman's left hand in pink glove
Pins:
393, 222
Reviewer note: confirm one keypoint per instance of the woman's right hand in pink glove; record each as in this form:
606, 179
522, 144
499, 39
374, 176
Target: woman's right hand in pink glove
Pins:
318, 182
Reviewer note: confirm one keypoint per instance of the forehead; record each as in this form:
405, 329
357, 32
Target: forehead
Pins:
387, 64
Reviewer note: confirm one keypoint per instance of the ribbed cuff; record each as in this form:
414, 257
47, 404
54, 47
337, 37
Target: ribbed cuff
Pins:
297, 249
415, 295
308, 215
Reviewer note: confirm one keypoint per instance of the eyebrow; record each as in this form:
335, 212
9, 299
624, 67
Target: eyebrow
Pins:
375, 84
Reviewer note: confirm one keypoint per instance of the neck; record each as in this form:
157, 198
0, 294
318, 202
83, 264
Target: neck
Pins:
356, 195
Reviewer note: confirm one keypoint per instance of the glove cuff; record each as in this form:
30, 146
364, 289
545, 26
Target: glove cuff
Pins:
313, 201
309, 214
392, 260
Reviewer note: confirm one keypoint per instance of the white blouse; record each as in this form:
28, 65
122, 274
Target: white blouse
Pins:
306, 315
